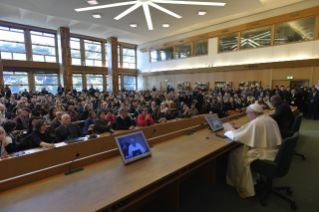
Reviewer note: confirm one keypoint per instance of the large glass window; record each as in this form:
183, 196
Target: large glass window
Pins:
119, 56
129, 57
256, 38
129, 83
120, 82
77, 80
96, 80
106, 58
154, 55
75, 44
17, 81
93, 53
108, 84
200, 47
49, 81
293, 31
167, 54
43, 47
183, 50
228, 42
12, 43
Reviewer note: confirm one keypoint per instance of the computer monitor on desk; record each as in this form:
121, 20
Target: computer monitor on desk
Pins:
133, 147
214, 122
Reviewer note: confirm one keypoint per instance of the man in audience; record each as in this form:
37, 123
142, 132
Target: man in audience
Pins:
283, 114
57, 121
261, 139
144, 119
123, 122
67, 130
313, 98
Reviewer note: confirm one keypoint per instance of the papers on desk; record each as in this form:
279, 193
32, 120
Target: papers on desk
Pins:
30, 151
227, 126
60, 144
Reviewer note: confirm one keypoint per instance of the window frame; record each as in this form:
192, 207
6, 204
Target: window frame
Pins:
101, 52
44, 55
77, 77
120, 82
45, 85
76, 50
88, 86
14, 74
123, 55
135, 85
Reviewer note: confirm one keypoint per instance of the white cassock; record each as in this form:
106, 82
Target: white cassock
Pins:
261, 138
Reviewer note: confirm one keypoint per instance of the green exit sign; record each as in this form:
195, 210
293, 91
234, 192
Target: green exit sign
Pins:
290, 77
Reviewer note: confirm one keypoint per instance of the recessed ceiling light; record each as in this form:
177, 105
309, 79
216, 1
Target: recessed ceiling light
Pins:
133, 25
201, 12
92, 2
165, 25
97, 16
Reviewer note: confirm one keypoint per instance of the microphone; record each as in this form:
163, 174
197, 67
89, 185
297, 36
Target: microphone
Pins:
77, 155
151, 134
192, 130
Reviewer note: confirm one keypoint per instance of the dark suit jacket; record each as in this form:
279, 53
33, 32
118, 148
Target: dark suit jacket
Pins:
121, 125
62, 133
287, 95
311, 97
283, 116
101, 126
55, 124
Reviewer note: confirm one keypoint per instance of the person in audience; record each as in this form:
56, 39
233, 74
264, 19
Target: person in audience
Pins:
59, 106
57, 122
193, 110
50, 116
9, 127
110, 116
73, 114
41, 136
169, 115
186, 113
123, 122
283, 114
67, 130
144, 119
89, 122
23, 120
3, 142
100, 124
313, 99
31, 125
4, 112
158, 116
87, 110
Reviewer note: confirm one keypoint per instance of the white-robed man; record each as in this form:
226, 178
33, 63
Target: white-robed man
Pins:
261, 139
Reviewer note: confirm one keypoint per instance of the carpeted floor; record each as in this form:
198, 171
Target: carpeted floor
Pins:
303, 177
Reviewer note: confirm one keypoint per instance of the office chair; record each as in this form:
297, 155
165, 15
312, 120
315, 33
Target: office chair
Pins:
277, 168
295, 128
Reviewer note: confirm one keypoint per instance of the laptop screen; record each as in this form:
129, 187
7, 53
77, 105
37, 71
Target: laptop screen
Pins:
133, 147
214, 122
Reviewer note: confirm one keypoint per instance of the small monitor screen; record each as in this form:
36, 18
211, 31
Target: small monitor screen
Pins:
214, 122
133, 147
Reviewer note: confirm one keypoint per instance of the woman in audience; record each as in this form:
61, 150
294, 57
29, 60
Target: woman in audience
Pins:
3, 142
89, 122
100, 124
232, 104
169, 115
87, 110
31, 125
187, 112
50, 116
158, 116
110, 117
9, 127
18, 114
23, 120
41, 136
144, 119
59, 106
193, 110
73, 114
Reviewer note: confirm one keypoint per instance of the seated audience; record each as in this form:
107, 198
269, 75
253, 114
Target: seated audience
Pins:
193, 110
89, 122
158, 116
41, 136
67, 130
31, 125
23, 120
144, 119
283, 114
123, 122
100, 124
3, 142
50, 116
110, 117
87, 110
57, 121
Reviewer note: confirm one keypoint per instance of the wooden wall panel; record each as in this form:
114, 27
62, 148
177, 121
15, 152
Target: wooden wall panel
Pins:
298, 73
315, 76
112, 63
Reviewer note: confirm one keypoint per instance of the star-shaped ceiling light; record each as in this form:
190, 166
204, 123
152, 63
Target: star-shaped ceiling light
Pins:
146, 4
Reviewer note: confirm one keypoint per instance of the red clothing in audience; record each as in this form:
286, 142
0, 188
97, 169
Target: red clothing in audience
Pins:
142, 121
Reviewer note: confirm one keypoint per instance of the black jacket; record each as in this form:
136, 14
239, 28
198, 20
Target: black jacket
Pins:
123, 125
283, 116
62, 133
101, 126
55, 124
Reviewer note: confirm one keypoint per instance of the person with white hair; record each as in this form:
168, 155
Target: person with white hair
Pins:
260, 139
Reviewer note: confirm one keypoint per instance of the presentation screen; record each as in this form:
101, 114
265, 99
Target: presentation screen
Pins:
133, 147
214, 122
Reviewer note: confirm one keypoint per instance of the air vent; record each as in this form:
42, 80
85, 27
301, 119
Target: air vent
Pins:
294, 15
253, 66
224, 31
255, 24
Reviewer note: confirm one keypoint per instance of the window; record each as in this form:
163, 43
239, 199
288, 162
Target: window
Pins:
12, 44
154, 55
183, 50
294, 31
96, 80
228, 42
256, 38
200, 47
49, 81
167, 54
106, 58
129, 60
119, 56
120, 82
108, 84
77, 80
130, 83
17, 81
75, 45
43, 47
93, 53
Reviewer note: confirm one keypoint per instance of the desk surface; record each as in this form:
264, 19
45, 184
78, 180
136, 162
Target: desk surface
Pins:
103, 184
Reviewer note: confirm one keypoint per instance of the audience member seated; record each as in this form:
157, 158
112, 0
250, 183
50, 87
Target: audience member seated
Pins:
73, 114
67, 130
187, 113
158, 116
41, 136
87, 110
89, 122
50, 116
38, 110
3, 111
123, 122
23, 120
59, 106
31, 125
283, 114
144, 119
9, 127
57, 121
3, 142
169, 115
100, 124
110, 117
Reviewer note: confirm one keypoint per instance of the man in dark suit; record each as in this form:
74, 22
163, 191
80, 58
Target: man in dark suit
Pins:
283, 114
199, 100
287, 94
259, 93
57, 121
313, 99
66, 130
123, 122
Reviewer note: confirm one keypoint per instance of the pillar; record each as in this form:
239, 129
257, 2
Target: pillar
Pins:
112, 64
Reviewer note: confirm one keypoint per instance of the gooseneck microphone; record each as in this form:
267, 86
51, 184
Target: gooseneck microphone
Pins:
151, 134
192, 130
77, 155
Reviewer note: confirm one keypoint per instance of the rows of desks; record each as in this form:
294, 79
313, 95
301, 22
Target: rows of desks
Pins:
108, 185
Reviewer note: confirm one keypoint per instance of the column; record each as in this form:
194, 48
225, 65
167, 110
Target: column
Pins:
65, 60
112, 64
1, 74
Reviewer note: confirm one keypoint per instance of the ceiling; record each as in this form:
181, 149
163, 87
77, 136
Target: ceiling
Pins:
53, 14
